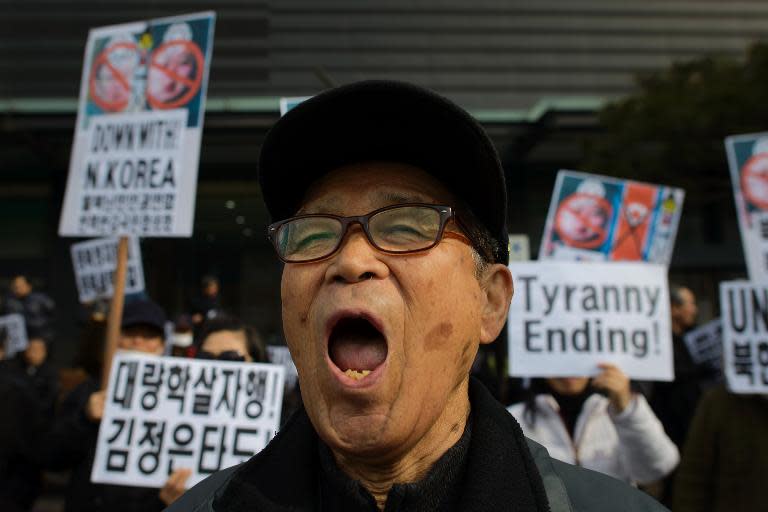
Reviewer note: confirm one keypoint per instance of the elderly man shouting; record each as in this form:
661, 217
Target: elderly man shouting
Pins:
390, 210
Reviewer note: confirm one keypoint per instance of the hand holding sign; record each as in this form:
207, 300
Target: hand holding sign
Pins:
175, 486
616, 384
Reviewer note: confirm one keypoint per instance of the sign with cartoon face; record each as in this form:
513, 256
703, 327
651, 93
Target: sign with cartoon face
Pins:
748, 163
133, 168
597, 218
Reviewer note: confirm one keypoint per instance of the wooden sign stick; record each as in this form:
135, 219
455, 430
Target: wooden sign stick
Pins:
115, 310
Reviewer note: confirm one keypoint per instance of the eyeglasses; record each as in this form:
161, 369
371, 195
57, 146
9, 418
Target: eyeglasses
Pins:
398, 229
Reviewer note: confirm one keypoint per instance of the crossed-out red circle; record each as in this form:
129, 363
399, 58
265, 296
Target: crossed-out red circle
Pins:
193, 85
756, 168
570, 206
103, 60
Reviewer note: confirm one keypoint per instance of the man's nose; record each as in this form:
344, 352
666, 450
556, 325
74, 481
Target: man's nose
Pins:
356, 260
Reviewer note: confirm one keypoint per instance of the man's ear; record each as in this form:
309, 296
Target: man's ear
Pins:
497, 287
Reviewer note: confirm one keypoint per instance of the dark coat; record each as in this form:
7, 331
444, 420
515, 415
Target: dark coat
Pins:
284, 476
20, 424
71, 444
725, 459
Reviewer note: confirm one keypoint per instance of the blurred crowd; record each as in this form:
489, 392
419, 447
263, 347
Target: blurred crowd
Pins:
689, 442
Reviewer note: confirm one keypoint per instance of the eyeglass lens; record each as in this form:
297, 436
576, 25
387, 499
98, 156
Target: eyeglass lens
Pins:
403, 229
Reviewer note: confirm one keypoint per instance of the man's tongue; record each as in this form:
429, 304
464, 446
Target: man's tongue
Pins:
357, 354
356, 345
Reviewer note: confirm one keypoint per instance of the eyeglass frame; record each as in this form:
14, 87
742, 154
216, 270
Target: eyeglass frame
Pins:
447, 213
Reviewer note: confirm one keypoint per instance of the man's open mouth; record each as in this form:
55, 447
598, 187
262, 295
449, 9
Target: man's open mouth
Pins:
356, 347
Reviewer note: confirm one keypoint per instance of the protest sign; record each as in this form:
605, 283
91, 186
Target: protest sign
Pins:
287, 104
744, 308
705, 344
95, 261
566, 317
166, 413
597, 218
519, 248
282, 356
14, 333
133, 169
748, 162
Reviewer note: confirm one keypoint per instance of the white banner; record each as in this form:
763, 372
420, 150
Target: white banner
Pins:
282, 356
744, 308
95, 262
567, 317
133, 169
15, 334
705, 344
166, 413
748, 162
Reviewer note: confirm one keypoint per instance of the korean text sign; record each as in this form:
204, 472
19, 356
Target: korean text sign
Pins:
166, 413
748, 162
705, 344
744, 308
15, 333
567, 317
95, 262
133, 169
598, 218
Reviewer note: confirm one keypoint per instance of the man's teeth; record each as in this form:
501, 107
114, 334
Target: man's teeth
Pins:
357, 375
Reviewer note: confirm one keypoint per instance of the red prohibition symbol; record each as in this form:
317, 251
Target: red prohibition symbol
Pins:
754, 180
582, 220
109, 84
175, 74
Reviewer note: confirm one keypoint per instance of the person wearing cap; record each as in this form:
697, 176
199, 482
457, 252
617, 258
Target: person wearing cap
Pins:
389, 210
71, 442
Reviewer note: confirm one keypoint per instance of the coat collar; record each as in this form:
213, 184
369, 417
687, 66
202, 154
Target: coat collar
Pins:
500, 472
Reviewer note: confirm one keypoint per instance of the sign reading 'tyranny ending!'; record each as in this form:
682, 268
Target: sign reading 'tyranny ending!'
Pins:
567, 317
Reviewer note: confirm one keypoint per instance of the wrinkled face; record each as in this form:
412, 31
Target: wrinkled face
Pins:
232, 342
141, 338
568, 385
408, 323
36, 352
20, 286
685, 313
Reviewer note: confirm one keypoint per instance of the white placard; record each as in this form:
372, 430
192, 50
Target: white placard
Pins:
744, 308
566, 317
705, 344
748, 163
16, 334
133, 168
519, 248
282, 356
166, 413
95, 262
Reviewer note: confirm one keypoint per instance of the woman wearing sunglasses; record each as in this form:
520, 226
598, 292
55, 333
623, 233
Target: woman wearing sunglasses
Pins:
226, 338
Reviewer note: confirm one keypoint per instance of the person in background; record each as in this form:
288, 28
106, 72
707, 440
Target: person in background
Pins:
183, 337
226, 338
36, 307
208, 303
725, 460
71, 442
599, 424
32, 366
20, 427
675, 402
